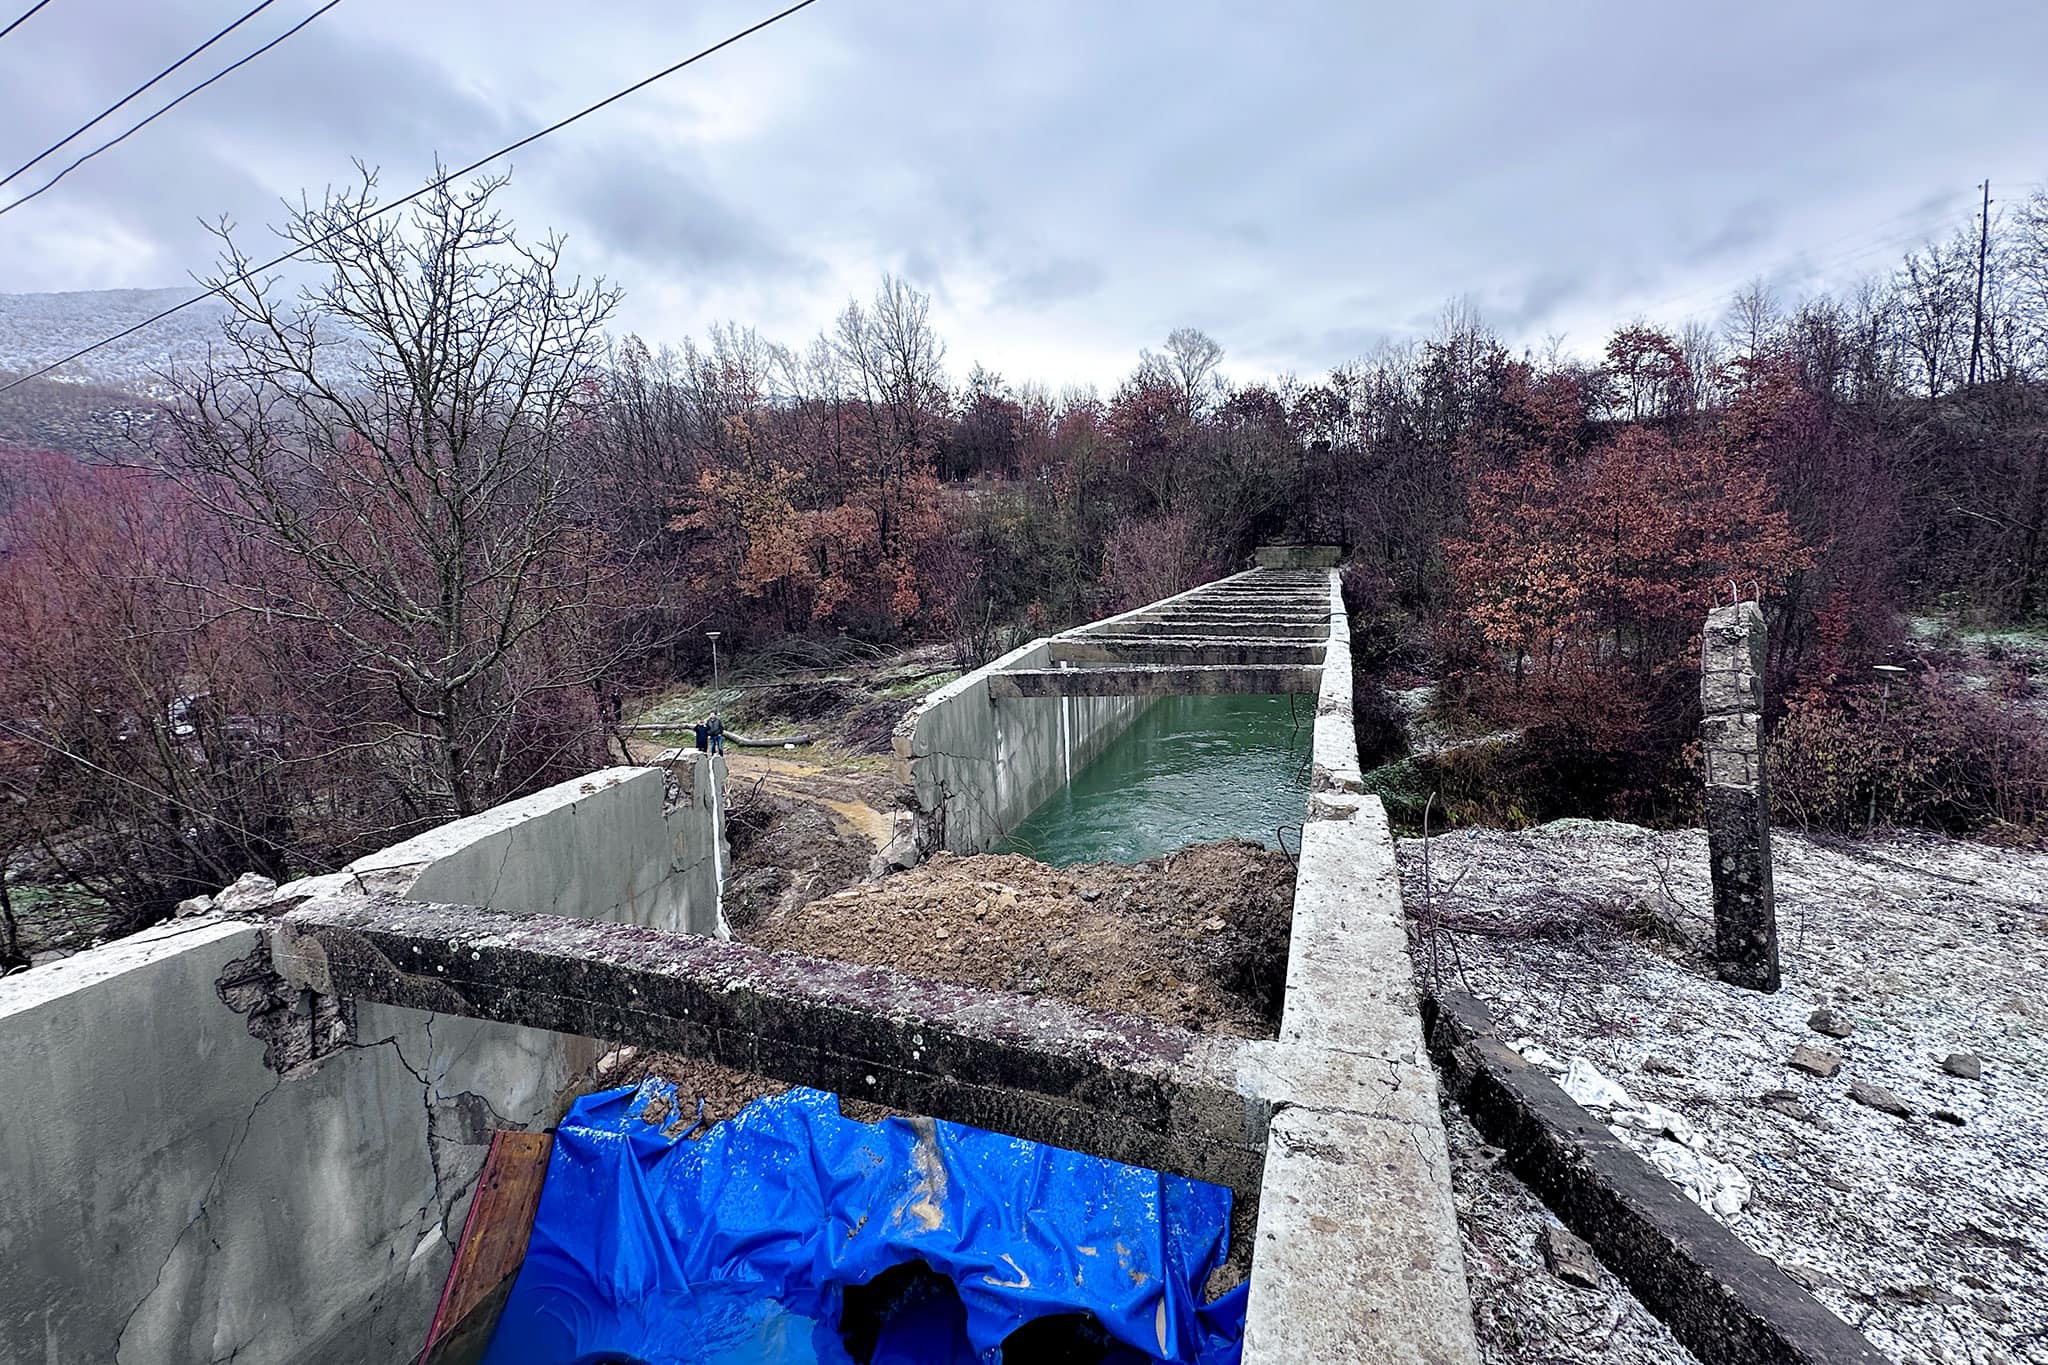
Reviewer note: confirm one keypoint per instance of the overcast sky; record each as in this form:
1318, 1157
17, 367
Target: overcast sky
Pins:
1069, 181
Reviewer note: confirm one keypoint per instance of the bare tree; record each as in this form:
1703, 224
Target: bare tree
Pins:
1751, 320
1189, 364
399, 436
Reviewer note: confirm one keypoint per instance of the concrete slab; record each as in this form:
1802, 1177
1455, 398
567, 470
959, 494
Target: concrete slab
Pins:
1130, 649
1119, 1086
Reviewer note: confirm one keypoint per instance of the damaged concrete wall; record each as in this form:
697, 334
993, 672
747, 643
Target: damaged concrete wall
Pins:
1358, 1255
165, 1196
978, 766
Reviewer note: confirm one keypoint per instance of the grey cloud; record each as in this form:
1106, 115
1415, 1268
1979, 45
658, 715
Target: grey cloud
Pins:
662, 214
1053, 279
1300, 181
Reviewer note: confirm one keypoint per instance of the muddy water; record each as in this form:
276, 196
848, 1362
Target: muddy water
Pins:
1189, 770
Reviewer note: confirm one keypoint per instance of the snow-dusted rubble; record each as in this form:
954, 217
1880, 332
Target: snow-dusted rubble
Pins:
1525, 1315
1928, 1232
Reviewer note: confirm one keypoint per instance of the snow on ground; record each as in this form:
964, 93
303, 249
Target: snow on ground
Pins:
1525, 1314
1929, 1234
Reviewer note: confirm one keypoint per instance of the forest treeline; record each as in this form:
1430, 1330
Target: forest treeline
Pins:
410, 542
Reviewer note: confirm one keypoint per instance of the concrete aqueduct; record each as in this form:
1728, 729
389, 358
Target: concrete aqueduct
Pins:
254, 1138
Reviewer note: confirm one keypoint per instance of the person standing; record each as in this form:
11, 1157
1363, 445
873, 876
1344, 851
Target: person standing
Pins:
717, 732
703, 737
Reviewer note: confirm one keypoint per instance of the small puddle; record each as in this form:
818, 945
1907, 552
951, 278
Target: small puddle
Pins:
1189, 770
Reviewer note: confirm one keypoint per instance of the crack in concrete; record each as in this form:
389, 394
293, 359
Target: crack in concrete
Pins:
213, 1187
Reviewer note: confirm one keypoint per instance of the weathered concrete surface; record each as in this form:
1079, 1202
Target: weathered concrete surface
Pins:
1234, 627
1358, 1255
975, 767
1738, 799
616, 845
1119, 1086
1299, 556
1157, 680
166, 1195
1726, 1303
1168, 649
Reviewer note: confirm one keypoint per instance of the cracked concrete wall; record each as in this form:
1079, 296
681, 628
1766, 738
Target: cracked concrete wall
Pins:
978, 765
165, 1196
1357, 1255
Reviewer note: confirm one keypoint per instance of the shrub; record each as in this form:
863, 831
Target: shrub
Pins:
1937, 755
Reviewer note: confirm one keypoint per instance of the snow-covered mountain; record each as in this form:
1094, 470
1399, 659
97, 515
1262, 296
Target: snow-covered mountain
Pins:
36, 329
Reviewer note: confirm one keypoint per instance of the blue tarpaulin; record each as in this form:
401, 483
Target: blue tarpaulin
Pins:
740, 1246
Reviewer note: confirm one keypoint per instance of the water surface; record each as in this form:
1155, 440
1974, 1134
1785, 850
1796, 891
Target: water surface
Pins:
1189, 770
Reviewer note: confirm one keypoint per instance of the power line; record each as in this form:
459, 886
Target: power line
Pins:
1819, 263
123, 137
419, 193
116, 106
24, 18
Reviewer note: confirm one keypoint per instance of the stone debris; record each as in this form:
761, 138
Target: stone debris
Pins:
192, 906
1828, 1022
1815, 1061
1570, 1259
1662, 1136
1965, 1064
249, 894
1878, 1098
1788, 1103
1928, 944
1524, 1312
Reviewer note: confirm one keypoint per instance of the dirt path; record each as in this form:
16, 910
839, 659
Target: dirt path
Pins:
850, 796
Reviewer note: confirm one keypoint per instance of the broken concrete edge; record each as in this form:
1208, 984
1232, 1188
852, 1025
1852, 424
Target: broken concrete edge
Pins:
1726, 1303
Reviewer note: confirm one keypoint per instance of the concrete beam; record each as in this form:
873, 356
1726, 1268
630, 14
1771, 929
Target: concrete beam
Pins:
1116, 1086
1247, 627
1167, 649
1727, 1303
1158, 680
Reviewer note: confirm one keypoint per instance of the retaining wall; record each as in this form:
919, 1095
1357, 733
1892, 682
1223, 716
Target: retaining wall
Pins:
977, 766
166, 1196
1357, 1255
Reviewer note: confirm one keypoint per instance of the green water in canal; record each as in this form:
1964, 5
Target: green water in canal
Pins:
1189, 770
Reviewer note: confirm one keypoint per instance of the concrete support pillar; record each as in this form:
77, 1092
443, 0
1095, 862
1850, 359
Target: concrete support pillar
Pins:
1738, 802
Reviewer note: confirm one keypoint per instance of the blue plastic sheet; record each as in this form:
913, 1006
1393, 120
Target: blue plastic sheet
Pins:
740, 1246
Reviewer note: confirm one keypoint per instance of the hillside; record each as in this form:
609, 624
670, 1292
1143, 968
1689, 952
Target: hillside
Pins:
36, 329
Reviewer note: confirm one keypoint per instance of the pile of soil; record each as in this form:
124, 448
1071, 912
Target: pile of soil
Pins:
786, 852
872, 729
1197, 939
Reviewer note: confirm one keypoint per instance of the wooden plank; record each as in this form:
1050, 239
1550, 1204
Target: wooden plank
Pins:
492, 1249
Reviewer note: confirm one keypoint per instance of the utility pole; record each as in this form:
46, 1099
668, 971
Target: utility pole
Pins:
1983, 248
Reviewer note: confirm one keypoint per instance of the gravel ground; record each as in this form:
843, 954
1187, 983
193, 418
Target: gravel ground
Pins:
1525, 1315
1929, 1231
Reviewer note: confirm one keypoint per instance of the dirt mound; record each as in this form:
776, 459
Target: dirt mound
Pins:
872, 729
786, 852
1198, 939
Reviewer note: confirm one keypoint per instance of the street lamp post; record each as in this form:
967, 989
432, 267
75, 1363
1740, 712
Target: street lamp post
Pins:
712, 635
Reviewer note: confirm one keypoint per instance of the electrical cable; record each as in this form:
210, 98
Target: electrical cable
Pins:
424, 190
138, 127
118, 104
24, 18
